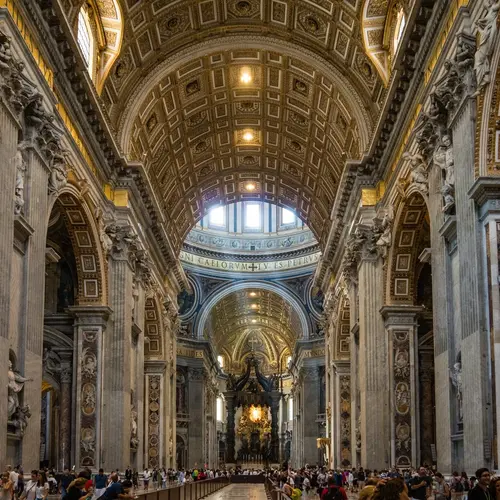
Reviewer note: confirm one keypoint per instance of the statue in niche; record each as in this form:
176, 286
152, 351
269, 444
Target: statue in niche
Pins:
448, 197
134, 438
443, 158
51, 361
15, 386
456, 380
20, 419
419, 175
383, 228
487, 28
20, 166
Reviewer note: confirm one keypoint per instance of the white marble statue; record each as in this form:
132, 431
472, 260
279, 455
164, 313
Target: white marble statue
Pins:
419, 175
443, 158
456, 379
15, 386
20, 166
487, 28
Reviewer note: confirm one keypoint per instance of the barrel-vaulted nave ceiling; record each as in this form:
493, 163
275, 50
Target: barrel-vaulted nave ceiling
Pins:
253, 321
214, 96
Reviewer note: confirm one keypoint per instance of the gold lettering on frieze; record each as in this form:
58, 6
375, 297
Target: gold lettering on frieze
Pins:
250, 267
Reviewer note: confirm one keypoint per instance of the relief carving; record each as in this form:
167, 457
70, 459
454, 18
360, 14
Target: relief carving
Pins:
487, 28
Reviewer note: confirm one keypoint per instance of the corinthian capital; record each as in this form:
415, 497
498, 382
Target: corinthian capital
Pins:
122, 241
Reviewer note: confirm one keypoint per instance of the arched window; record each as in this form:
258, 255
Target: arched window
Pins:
400, 27
86, 39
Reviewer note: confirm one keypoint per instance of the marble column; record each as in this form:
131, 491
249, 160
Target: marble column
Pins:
341, 413
275, 397
474, 342
118, 347
196, 378
9, 126
91, 327
65, 411
427, 417
401, 326
372, 366
308, 451
230, 429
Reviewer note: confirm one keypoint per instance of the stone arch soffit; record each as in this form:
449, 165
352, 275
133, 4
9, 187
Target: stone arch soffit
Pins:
488, 116
219, 294
409, 234
343, 329
373, 25
108, 18
136, 99
91, 265
154, 348
55, 338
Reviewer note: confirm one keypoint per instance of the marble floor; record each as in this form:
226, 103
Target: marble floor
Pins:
240, 492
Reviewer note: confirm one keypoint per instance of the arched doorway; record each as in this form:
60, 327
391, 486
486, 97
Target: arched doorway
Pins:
74, 276
410, 288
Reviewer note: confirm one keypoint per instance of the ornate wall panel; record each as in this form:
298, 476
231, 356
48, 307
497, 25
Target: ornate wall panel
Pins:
402, 397
89, 397
153, 347
154, 421
345, 420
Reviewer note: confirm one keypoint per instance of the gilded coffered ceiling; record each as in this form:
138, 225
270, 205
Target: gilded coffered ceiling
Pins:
264, 323
179, 105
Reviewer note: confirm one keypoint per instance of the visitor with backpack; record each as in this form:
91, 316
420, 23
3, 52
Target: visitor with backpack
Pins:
457, 486
333, 492
467, 486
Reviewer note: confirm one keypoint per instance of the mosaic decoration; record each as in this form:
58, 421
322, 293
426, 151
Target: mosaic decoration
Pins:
402, 397
345, 420
88, 398
154, 390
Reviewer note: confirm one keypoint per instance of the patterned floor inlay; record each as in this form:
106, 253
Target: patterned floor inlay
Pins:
243, 491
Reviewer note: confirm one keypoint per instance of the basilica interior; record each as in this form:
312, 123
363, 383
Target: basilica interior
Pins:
249, 232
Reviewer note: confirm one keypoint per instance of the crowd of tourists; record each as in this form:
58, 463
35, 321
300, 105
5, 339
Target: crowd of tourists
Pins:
312, 483
319, 483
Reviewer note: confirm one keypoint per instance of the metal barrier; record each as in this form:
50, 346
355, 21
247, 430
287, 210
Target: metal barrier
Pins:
273, 492
189, 491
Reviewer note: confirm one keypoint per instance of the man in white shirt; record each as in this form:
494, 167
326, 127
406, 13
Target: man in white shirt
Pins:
29, 492
13, 475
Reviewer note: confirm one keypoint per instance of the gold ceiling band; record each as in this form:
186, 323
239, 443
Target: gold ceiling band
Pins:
452, 14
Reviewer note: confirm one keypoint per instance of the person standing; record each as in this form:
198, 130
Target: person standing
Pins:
441, 488
457, 487
100, 481
42, 486
29, 492
128, 473
7, 489
481, 491
66, 479
420, 485
361, 478
145, 477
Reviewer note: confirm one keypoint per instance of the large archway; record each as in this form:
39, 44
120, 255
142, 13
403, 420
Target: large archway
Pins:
409, 282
